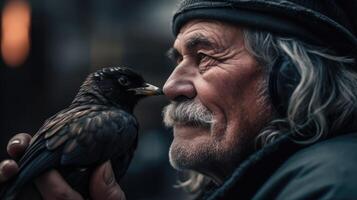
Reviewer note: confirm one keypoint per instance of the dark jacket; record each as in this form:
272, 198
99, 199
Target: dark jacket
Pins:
287, 171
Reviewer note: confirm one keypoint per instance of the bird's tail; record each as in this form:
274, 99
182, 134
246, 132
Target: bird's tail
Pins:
27, 173
10, 189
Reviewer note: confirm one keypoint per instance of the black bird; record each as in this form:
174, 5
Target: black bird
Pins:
98, 126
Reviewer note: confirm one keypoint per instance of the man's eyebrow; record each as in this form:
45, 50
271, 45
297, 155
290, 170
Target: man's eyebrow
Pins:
197, 41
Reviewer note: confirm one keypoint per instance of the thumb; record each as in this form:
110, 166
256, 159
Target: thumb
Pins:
103, 185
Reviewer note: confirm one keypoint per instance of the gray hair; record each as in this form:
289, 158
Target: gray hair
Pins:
324, 101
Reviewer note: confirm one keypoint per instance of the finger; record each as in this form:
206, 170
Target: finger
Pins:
103, 185
18, 144
8, 168
52, 186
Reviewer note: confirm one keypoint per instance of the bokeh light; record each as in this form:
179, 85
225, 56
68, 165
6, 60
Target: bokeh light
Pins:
15, 40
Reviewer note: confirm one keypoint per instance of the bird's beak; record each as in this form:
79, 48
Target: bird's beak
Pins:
148, 90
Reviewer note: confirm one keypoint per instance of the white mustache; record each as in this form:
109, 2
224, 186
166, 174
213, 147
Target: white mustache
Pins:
187, 113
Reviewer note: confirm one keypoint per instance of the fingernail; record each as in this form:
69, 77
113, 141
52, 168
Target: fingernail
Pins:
15, 141
108, 174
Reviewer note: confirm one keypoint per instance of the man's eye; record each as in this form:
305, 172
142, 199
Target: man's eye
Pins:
205, 62
202, 57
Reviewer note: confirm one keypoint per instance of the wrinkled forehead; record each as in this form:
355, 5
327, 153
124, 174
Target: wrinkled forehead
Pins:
207, 32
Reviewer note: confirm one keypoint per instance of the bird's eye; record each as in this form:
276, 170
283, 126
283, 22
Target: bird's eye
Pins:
123, 81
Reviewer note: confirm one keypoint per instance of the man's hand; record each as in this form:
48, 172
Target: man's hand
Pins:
51, 184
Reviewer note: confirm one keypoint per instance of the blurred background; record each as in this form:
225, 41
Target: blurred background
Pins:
49, 46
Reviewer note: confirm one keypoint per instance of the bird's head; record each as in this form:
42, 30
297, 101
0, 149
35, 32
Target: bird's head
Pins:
122, 86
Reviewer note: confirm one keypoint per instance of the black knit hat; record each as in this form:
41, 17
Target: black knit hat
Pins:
329, 23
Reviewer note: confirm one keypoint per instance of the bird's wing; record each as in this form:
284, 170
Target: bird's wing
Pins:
57, 121
94, 138
84, 134
53, 125
69, 115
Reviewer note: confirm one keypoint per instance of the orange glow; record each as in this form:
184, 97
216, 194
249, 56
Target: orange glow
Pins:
15, 41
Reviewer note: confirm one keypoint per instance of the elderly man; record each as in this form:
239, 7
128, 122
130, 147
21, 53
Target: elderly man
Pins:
263, 102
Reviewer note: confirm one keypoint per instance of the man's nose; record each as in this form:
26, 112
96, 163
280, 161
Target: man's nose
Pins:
180, 84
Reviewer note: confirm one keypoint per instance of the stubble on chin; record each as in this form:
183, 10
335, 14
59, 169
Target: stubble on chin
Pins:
204, 153
190, 153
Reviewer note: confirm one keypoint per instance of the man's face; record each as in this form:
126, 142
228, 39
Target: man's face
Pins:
214, 70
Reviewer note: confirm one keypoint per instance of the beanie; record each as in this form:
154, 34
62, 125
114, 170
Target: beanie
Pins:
328, 23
